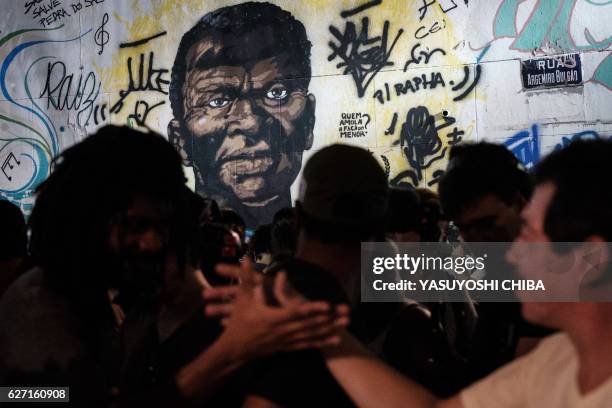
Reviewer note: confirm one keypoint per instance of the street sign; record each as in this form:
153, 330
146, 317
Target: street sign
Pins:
553, 71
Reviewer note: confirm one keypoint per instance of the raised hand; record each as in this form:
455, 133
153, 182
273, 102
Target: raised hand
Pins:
256, 328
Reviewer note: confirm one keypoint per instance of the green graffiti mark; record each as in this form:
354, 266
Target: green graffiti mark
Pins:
549, 22
599, 4
603, 74
7, 37
504, 21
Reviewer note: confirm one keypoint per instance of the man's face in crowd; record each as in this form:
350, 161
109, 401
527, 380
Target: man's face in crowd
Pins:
489, 219
549, 314
249, 126
138, 246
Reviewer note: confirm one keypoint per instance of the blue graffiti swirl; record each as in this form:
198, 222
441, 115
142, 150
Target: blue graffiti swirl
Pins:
43, 152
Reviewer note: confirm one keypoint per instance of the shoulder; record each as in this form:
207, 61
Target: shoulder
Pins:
553, 356
525, 378
557, 347
35, 325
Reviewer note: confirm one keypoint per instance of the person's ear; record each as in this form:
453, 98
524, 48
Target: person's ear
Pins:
595, 255
179, 141
310, 121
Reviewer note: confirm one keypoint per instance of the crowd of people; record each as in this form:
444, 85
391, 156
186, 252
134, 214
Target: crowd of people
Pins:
131, 289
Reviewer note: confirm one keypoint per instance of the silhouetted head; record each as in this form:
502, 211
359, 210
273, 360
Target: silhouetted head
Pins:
570, 209
112, 209
483, 192
343, 196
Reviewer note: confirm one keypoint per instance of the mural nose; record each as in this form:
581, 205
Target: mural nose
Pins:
244, 119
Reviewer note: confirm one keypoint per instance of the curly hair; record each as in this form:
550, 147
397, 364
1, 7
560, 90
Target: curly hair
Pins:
92, 182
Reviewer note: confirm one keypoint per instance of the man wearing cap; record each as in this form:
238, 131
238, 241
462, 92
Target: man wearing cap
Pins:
343, 201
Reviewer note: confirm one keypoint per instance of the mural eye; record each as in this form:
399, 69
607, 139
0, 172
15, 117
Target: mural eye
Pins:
219, 102
278, 93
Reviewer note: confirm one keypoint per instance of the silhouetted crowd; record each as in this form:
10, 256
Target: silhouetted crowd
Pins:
132, 290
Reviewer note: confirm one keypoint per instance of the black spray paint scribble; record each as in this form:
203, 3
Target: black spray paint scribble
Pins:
99, 110
431, 81
420, 141
362, 56
464, 82
422, 145
386, 163
47, 12
391, 129
148, 79
359, 9
78, 5
141, 111
142, 77
423, 31
141, 83
353, 124
7, 163
39, 9
423, 9
448, 5
445, 6
64, 91
141, 41
412, 85
422, 56
101, 36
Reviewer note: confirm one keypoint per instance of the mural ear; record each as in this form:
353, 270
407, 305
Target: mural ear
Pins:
176, 138
310, 121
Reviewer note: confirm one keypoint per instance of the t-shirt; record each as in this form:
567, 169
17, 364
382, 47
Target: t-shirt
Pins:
546, 377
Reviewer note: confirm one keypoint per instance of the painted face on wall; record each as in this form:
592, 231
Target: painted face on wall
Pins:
245, 125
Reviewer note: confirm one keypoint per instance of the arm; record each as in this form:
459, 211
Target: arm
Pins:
209, 368
371, 383
254, 329
255, 401
194, 384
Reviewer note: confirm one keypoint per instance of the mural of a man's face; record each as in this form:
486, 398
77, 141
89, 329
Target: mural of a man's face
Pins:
245, 125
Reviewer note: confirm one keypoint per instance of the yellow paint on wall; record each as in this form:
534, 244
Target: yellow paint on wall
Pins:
318, 15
